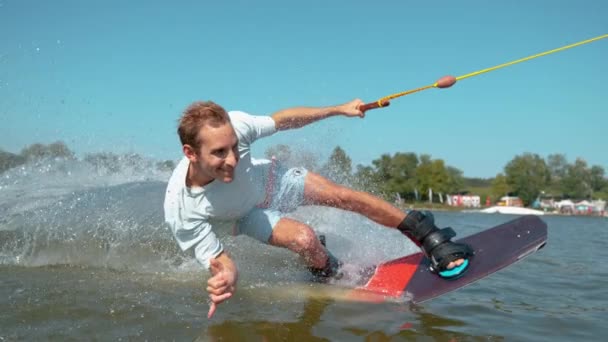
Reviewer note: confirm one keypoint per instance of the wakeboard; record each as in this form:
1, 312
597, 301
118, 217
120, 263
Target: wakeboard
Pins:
494, 249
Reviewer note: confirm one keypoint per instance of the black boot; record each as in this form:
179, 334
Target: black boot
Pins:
331, 268
436, 243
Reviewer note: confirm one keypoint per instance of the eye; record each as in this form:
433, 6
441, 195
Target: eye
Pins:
221, 153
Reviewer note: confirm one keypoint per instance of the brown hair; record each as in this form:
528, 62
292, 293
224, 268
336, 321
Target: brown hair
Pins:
197, 115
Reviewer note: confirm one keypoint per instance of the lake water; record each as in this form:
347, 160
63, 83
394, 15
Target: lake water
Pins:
84, 256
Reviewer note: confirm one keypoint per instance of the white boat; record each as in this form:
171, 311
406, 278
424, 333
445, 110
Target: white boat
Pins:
511, 210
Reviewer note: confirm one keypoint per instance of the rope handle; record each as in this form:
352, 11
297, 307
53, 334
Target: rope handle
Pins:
374, 105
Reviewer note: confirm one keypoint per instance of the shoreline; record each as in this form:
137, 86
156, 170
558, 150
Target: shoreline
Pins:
447, 208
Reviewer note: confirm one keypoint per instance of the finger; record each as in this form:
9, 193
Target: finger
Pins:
212, 309
217, 282
360, 113
218, 291
215, 301
215, 265
221, 298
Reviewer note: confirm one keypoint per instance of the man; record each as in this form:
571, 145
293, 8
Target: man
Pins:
219, 186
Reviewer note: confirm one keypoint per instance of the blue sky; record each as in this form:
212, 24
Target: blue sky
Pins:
115, 75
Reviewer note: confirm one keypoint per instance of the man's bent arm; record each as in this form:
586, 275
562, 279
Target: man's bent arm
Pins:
301, 116
222, 284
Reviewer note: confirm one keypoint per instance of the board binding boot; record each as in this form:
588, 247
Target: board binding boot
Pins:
436, 244
331, 270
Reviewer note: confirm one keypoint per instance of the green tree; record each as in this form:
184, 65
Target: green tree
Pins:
39, 151
477, 182
577, 181
423, 175
527, 175
558, 166
402, 174
34, 152
500, 186
338, 167
10, 160
435, 175
306, 159
602, 193
455, 180
396, 174
597, 178
59, 149
367, 179
382, 167
428, 174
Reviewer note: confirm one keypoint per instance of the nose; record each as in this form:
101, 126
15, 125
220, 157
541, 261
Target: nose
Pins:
232, 159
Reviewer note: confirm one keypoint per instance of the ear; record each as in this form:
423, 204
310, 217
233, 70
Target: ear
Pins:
190, 153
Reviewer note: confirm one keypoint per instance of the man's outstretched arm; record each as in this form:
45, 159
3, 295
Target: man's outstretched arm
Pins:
297, 117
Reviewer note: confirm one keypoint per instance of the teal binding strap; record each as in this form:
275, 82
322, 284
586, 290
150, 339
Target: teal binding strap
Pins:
456, 271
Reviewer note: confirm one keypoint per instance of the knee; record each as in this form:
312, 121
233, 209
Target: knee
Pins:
305, 239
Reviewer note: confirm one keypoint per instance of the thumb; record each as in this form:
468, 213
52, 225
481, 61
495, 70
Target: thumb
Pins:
215, 265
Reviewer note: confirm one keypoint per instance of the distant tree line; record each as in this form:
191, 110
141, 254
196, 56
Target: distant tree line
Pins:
406, 175
34, 152
108, 161
530, 176
410, 176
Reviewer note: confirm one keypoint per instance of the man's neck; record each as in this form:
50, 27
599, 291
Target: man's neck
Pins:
194, 178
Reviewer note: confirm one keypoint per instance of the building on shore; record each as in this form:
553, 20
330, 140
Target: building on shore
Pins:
510, 201
467, 201
584, 207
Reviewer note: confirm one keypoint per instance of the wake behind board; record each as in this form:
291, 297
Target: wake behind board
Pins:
495, 248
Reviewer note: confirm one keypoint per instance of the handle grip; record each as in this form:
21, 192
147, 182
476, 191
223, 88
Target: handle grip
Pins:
374, 105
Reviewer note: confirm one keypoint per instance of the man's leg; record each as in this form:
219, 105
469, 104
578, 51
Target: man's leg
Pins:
301, 239
270, 226
321, 191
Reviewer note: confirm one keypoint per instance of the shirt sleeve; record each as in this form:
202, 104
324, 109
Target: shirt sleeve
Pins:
197, 233
207, 248
252, 127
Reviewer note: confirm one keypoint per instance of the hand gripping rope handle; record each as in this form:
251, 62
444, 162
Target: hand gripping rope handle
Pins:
448, 81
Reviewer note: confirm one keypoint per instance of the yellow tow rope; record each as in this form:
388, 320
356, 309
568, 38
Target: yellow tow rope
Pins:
448, 81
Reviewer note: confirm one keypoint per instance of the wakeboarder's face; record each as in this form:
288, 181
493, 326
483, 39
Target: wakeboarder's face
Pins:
218, 154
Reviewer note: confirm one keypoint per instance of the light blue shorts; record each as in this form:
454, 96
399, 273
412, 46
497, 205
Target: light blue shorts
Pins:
287, 195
